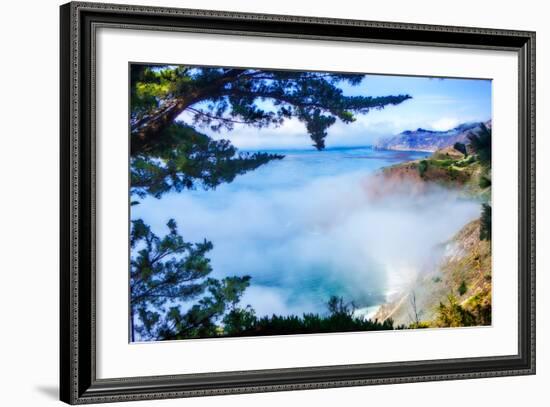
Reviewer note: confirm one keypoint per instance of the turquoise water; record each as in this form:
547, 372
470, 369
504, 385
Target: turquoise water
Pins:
300, 167
304, 228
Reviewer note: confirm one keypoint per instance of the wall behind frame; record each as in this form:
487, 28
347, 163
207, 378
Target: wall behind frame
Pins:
29, 201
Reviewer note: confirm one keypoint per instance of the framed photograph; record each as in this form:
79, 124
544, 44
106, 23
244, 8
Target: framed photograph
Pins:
255, 203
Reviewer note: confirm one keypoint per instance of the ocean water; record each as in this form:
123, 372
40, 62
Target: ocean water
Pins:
301, 167
304, 228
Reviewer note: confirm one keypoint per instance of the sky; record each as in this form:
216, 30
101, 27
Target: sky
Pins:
436, 104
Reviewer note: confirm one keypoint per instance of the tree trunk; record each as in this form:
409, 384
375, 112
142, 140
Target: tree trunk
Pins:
145, 131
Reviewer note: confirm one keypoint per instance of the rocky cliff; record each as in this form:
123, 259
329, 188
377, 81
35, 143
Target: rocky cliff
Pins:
428, 140
461, 279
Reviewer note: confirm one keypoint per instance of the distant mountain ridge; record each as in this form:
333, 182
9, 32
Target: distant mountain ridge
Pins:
429, 140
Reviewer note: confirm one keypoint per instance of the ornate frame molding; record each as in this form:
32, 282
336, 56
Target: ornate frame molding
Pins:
79, 384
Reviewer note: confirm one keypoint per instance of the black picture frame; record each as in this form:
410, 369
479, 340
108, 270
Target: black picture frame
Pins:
78, 382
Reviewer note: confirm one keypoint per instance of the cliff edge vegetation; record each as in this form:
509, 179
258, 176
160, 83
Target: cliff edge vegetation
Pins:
457, 292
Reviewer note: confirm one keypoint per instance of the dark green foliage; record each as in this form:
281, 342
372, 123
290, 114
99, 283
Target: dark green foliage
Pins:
239, 320
461, 147
220, 97
243, 322
422, 167
453, 314
164, 272
485, 229
484, 182
480, 143
312, 323
337, 306
482, 311
185, 159
462, 288
147, 87
203, 318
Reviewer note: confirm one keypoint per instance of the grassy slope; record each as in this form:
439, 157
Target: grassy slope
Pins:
446, 167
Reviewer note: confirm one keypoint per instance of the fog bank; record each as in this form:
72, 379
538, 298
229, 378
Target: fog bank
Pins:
306, 228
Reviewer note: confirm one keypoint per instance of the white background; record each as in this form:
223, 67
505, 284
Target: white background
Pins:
29, 216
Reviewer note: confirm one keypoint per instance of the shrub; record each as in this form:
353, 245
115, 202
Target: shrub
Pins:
422, 168
476, 311
485, 229
484, 182
480, 143
453, 315
462, 148
463, 288
480, 306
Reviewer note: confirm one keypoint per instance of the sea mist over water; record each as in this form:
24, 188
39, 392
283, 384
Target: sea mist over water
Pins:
308, 227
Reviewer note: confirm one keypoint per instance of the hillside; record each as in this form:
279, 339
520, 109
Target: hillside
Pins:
461, 279
428, 140
456, 291
447, 167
